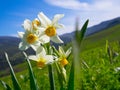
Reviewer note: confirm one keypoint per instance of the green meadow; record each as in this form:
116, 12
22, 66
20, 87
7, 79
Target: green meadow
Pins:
99, 58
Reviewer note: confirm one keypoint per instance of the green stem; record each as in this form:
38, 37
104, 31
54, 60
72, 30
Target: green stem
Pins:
51, 77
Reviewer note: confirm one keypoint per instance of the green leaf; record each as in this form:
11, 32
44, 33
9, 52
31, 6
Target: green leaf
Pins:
51, 77
13, 77
75, 67
80, 34
33, 84
71, 78
6, 86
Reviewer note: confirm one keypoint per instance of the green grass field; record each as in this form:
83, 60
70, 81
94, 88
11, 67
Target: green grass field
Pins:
98, 64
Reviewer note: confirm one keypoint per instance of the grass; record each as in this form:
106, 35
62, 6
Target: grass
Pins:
98, 72
99, 39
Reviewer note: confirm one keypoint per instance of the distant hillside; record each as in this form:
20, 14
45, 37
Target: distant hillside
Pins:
103, 26
10, 45
94, 29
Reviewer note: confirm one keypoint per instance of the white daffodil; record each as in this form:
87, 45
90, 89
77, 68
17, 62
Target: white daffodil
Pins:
32, 36
49, 27
41, 58
29, 39
63, 56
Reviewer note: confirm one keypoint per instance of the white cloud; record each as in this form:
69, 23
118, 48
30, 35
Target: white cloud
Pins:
68, 4
77, 5
97, 10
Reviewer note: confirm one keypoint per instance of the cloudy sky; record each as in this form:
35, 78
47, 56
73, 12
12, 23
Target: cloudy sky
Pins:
14, 12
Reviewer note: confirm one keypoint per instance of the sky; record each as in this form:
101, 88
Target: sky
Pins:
14, 12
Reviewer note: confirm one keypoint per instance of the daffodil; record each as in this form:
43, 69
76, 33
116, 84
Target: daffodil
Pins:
49, 27
31, 37
28, 39
63, 56
41, 58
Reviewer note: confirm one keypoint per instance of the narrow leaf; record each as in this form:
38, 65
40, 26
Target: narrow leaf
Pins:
51, 77
14, 79
80, 34
33, 84
6, 86
71, 78
83, 30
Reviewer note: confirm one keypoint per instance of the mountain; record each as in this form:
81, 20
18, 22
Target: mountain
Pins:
94, 29
10, 44
103, 25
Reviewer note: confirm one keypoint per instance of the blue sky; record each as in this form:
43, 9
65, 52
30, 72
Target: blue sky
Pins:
14, 12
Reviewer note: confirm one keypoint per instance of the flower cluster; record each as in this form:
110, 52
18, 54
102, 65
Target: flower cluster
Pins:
37, 33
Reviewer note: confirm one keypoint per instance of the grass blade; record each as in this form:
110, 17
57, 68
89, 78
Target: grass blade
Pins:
33, 84
80, 34
6, 86
71, 78
51, 77
76, 63
14, 79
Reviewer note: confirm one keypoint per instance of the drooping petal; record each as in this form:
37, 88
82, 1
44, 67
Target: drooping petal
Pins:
21, 34
33, 57
61, 51
68, 52
35, 47
45, 21
23, 46
56, 39
44, 39
41, 52
56, 18
49, 59
27, 25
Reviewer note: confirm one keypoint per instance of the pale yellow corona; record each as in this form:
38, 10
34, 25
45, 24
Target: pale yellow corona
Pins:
63, 62
50, 31
41, 62
31, 38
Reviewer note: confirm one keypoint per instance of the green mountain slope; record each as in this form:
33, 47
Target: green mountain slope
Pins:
98, 39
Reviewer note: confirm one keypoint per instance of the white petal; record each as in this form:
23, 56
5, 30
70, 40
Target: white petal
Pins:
33, 57
68, 52
49, 59
58, 26
27, 25
61, 50
56, 18
56, 39
41, 52
45, 21
44, 39
20, 34
34, 47
23, 46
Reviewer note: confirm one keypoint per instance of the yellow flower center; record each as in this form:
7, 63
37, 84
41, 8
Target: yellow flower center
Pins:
31, 38
41, 62
50, 31
35, 22
64, 62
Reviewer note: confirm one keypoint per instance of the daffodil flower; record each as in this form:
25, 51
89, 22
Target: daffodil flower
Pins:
49, 27
31, 37
63, 56
41, 58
